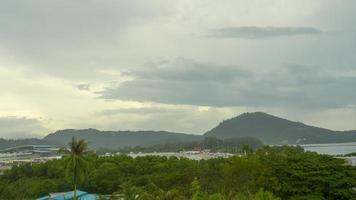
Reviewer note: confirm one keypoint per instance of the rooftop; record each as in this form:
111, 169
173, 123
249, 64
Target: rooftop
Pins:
81, 195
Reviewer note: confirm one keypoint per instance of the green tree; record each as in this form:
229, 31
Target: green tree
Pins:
196, 190
131, 192
243, 174
216, 196
265, 195
76, 164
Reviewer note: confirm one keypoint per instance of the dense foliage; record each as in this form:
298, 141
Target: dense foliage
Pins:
269, 173
118, 139
77, 166
231, 145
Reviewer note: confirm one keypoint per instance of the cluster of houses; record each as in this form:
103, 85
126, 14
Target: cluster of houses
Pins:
193, 155
26, 154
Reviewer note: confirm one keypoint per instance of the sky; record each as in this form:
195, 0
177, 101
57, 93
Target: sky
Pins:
176, 65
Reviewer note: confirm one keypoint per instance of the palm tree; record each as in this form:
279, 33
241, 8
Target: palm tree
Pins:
77, 165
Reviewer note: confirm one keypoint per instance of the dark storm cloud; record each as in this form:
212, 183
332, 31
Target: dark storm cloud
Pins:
193, 83
255, 32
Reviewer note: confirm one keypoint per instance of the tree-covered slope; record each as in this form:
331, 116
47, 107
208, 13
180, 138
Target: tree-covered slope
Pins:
268, 128
274, 130
119, 139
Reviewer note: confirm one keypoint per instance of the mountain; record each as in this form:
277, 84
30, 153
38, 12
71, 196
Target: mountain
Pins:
267, 128
119, 139
274, 130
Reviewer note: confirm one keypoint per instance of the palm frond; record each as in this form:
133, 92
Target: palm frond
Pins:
77, 165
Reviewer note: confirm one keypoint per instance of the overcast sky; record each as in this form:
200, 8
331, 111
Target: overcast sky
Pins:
179, 65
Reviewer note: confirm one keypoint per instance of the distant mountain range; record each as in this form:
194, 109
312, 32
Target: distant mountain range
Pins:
274, 130
268, 128
119, 139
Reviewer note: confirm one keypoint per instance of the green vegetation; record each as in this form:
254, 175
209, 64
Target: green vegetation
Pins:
231, 145
349, 154
118, 139
76, 164
274, 130
268, 173
264, 127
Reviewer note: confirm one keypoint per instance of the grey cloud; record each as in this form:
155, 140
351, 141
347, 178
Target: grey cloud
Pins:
19, 127
172, 92
255, 32
45, 24
301, 86
187, 70
181, 81
84, 86
62, 38
140, 111
187, 119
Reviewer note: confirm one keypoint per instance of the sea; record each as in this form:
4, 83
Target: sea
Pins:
331, 148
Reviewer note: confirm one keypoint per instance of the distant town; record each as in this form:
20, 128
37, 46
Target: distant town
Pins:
42, 153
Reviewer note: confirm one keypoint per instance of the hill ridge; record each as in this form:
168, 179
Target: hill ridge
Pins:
268, 128
276, 130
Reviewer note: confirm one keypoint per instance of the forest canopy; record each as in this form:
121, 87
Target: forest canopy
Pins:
273, 172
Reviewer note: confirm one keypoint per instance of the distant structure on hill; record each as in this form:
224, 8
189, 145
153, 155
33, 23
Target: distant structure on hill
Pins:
26, 154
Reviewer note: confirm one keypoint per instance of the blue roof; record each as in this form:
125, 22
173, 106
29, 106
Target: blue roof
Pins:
81, 195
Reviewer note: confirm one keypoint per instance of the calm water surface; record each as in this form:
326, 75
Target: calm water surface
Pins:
332, 148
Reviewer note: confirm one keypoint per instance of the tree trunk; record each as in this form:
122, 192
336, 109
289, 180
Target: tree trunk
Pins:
75, 192
75, 180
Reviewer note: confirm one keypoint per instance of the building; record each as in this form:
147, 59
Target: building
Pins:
32, 149
81, 195
349, 160
26, 154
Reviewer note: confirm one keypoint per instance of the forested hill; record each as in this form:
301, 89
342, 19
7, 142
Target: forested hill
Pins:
274, 130
119, 139
267, 128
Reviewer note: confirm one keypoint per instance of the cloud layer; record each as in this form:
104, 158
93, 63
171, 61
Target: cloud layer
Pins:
134, 64
14, 127
184, 81
255, 32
